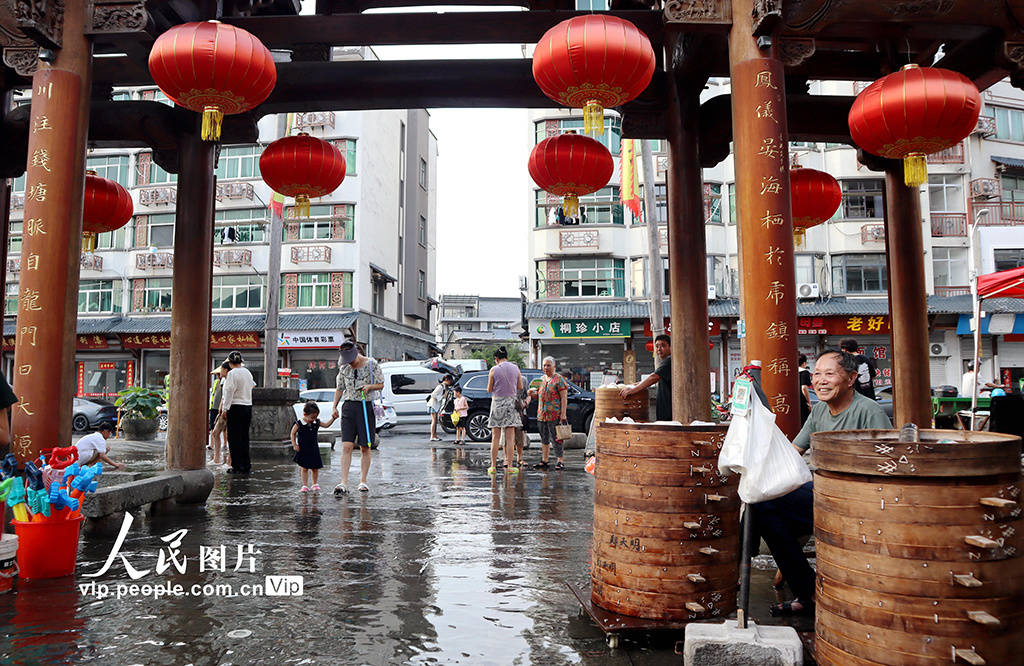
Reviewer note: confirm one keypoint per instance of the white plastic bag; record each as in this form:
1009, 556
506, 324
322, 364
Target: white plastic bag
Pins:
759, 452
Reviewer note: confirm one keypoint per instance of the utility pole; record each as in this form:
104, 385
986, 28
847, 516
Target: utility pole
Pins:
273, 297
655, 272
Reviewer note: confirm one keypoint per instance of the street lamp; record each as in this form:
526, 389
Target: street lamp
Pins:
972, 270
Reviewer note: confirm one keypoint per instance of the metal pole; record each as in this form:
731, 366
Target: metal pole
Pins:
273, 298
655, 270
972, 270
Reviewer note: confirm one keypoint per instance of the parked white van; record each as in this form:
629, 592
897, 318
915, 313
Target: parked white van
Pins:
408, 383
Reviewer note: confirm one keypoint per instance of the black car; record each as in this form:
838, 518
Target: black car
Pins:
579, 411
90, 412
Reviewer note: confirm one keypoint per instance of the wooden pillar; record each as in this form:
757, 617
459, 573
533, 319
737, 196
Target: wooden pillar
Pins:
5, 215
44, 356
768, 299
190, 315
687, 260
908, 307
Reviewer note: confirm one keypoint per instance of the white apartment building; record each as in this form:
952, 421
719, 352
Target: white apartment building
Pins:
469, 323
362, 265
587, 284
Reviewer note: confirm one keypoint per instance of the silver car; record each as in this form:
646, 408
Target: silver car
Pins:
324, 399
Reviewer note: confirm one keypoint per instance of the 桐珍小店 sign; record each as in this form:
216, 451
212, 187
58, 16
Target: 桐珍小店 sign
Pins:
590, 328
310, 340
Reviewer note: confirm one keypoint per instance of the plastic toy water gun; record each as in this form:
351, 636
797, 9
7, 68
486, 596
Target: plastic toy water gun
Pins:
5, 487
83, 483
8, 466
63, 457
70, 472
16, 500
38, 497
60, 500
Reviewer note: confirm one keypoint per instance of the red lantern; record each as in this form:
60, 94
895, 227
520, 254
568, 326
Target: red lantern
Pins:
107, 207
815, 196
594, 62
302, 166
212, 68
912, 113
570, 165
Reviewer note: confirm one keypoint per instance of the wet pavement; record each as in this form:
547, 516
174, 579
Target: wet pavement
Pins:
438, 563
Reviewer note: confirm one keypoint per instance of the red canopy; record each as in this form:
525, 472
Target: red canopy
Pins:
1004, 284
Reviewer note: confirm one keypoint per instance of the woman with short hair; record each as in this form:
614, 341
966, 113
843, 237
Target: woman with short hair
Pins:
552, 401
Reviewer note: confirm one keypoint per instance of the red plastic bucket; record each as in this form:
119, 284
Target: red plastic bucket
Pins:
8, 565
47, 549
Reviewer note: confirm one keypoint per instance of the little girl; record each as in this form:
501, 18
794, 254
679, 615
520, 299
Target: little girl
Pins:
461, 408
306, 446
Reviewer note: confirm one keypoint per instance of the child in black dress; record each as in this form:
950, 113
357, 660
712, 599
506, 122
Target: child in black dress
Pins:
306, 446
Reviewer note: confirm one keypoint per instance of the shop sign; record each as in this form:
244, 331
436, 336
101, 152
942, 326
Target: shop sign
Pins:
714, 327
106, 365
146, 341
846, 325
310, 340
217, 341
84, 342
590, 328
992, 324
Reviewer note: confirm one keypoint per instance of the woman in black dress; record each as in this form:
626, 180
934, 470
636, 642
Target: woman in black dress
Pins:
306, 446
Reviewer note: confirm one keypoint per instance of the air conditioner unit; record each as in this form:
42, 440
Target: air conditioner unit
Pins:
808, 290
937, 349
984, 188
712, 292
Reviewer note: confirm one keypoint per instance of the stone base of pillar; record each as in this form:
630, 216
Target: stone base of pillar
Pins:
272, 414
197, 484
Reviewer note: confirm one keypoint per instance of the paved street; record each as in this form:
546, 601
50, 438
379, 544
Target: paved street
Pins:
437, 564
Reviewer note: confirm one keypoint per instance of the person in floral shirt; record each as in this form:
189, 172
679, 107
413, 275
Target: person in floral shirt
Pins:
552, 400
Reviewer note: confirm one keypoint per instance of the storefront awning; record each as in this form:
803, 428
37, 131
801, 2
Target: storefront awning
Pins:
1011, 162
995, 323
326, 321
380, 275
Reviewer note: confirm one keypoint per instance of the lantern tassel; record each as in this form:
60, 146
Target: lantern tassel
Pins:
212, 119
915, 170
593, 118
571, 206
799, 233
302, 206
88, 241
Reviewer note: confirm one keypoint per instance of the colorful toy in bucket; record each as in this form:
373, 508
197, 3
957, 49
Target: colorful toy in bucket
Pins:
8, 562
48, 549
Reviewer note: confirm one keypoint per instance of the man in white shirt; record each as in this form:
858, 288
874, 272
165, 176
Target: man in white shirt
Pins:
93, 447
236, 407
969, 382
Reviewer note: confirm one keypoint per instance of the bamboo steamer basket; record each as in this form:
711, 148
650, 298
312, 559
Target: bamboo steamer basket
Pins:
608, 403
919, 548
666, 523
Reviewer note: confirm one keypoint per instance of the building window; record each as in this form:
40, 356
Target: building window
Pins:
239, 162
11, 300
157, 175
712, 203
113, 240
601, 207
423, 285
1012, 187
246, 225
14, 244
1008, 258
155, 95
18, 184
158, 295
423, 173
313, 290
945, 193
718, 275
422, 230
1009, 123
585, 277
859, 274
326, 222
612, 137
862, 199
592, 5
347, 147
237, 292
949, 266
161, 230
805, 269
97, 296
803, 145
111, 167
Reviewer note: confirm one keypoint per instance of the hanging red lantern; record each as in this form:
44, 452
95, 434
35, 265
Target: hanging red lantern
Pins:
912, 113
302, 166
107, 207
570, 166
212, 68
815, 196
593, 62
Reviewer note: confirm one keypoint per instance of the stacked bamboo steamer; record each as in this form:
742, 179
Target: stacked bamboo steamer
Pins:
919, 548
609, 403
666, 524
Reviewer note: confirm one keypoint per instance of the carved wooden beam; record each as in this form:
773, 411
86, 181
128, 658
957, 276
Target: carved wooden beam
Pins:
42, 21
115, 17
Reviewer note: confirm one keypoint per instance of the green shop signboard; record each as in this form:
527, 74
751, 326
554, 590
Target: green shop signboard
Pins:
590, 328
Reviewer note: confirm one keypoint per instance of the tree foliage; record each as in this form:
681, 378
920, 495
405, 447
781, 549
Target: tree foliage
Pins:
515, 355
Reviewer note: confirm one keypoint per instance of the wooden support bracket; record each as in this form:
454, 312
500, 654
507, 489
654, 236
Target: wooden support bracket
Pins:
969, 656
981, 617
981, 542
998, 502
697, 578
967, 580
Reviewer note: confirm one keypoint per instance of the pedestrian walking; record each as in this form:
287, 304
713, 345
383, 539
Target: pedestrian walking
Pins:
866, 371
217, 423
504, 382
307, 446
805, 389
461, 409
435, 404
236, 408
359, 381
552, 402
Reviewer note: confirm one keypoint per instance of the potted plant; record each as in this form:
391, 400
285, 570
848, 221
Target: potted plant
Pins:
139, 407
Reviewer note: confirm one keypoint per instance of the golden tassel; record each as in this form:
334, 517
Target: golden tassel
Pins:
798, 236
593, 118
212, 119
88, 241
571, 206
302, 206
915, 170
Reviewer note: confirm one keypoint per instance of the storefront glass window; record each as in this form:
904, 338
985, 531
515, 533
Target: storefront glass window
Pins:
318, 369
103, 379
156, 365
588, 364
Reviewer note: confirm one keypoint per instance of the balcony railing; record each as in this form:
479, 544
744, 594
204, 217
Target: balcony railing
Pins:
17, 201
1000, 213
951, 155
152, 260
13, 264
949, 224
314, 119
578, 238
986, 126
158, 196
235, 191
952, 291
232, 258
91, 262
311, 254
